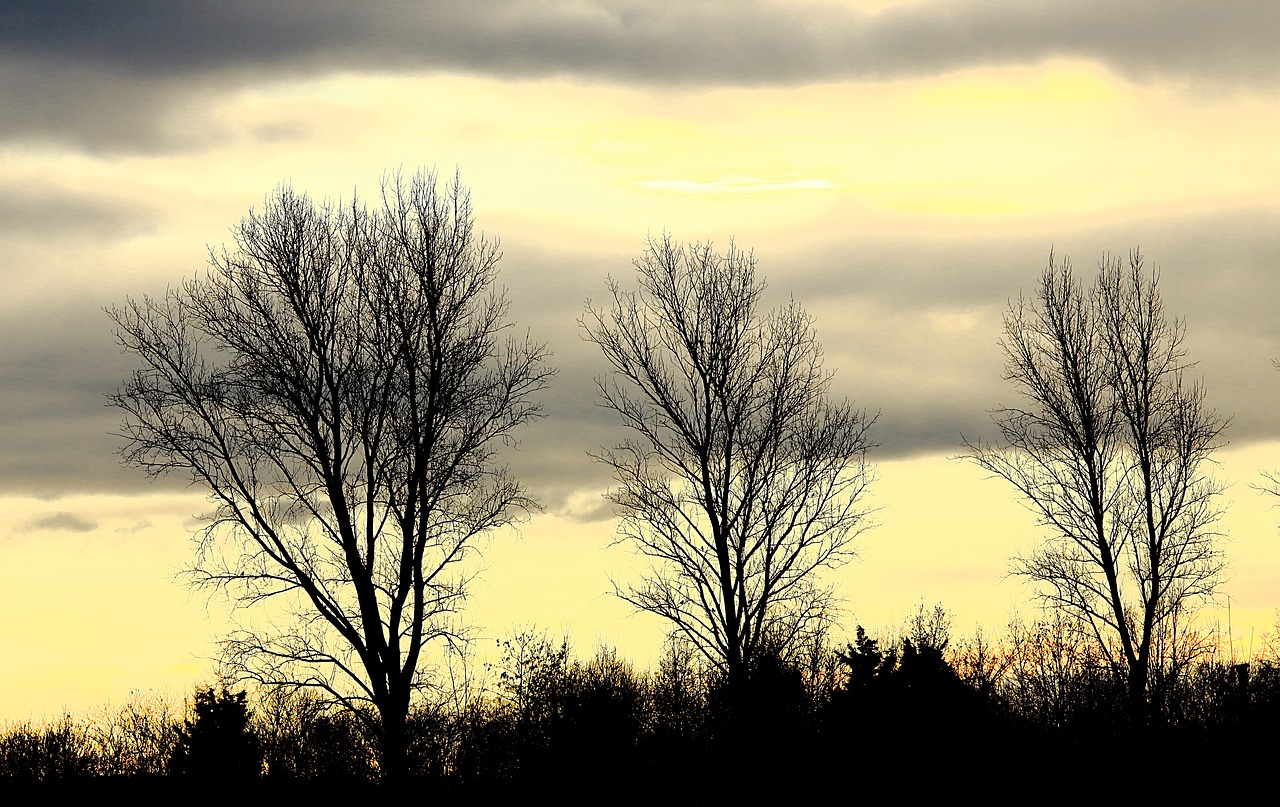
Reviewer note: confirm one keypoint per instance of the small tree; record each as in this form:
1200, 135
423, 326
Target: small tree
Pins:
1110, 452
338, 383
216, 742
743, 479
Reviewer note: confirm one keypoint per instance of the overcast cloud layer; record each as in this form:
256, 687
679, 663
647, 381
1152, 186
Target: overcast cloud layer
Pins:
103, 75
909, 328
877, 309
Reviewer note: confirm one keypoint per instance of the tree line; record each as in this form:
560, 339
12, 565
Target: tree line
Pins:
341, 378
1033, 698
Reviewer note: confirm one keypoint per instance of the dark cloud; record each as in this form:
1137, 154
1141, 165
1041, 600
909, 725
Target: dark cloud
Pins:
891, 315
58, 360
142, 38
61, 521
910, 331
105, 75
717, 41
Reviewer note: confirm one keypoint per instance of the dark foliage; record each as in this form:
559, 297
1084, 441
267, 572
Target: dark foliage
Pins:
217, 743
53, 753
907, 696
554, 718
1031, 702
304, 738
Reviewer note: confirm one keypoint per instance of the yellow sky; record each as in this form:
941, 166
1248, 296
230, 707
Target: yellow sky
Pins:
91, 616
559, 163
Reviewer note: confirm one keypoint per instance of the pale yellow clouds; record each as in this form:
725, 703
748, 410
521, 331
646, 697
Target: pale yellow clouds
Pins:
1064, 141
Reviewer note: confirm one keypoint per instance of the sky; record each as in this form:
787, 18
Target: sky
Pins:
901, 169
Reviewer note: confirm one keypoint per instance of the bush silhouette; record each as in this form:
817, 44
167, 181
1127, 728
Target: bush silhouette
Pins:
218, 742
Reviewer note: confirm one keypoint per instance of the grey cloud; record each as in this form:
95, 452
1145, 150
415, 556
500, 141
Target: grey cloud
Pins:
103, 75
135, 528
58, 359
30, 210
140, 37
602, 509
910, 330
720, 41
1217, 273
80, 107
61, 521
911, 327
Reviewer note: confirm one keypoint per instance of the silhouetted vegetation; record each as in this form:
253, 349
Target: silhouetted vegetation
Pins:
742, 478
338, 382
50, 753
304, 737
1111, 448
218, 743
546, 719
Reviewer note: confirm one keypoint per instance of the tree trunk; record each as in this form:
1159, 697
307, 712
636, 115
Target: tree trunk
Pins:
1137, 686
394, 745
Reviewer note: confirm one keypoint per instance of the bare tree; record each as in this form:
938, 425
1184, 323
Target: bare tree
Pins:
137, 739
742, 480
338, 383
1110, 451
1272, 484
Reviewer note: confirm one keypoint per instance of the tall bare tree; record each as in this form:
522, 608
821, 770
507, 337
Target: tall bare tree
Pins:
742, 480
338, 382
1110, 451
1272, 484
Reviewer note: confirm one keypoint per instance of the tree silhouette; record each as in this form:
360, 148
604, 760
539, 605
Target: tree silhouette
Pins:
743, 479
1110, 452
1272, 485
217, 742
336, 381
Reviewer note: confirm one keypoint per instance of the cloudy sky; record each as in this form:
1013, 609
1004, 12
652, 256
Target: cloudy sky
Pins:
902, 169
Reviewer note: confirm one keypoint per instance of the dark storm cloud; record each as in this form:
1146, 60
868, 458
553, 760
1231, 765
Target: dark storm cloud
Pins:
718, 41
105, 75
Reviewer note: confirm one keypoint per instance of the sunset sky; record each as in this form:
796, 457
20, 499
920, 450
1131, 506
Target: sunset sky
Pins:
902, 169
